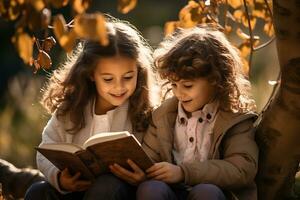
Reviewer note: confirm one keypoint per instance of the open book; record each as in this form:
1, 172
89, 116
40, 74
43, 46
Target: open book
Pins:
96, 154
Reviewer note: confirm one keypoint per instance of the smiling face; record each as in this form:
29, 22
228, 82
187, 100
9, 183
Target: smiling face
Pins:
193, 94
115, 79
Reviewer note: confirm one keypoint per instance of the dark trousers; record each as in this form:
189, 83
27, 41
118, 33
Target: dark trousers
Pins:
106, 186
159, 190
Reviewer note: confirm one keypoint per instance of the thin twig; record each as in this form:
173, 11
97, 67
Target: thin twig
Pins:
69, 25
37, 43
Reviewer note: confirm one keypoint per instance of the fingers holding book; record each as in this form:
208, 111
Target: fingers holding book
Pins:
72, 183
134, 177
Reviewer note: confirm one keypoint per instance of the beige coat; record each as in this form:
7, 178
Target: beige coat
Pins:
233, 155
55, 131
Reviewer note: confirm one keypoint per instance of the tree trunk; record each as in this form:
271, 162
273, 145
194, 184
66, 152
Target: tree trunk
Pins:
279, 131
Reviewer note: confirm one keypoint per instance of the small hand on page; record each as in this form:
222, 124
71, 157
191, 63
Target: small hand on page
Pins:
166, 172
71, 183
133, 178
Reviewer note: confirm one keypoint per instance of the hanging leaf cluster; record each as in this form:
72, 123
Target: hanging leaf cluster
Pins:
237, 15
31, 16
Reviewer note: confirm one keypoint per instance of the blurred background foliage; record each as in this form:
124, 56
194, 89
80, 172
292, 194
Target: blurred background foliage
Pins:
22, 118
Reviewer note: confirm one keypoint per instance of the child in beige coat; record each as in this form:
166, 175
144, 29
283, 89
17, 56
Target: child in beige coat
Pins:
203, 138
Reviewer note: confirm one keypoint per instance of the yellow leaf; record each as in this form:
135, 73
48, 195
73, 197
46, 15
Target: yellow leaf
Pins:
38, 4
48, 43
80, 6
245, 49
259, 13
252, 21
187, 15
170, 27
124, 6
238, 15
91, 26
227, 29
269, 29
235, 3
68, 40
59, 26
24, 45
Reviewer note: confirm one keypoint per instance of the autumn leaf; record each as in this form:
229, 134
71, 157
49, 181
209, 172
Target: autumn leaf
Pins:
80, 6
37, 4
245, 49
235, 3
43, 59
48, 43
187, 15
68, 41
24, 44
269, 29
91, 26
170, 27
124, 6
59, 26
227, 29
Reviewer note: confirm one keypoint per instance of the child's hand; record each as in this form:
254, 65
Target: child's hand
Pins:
133, 178
72, 183
166, 172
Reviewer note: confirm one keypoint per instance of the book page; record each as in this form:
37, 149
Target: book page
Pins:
67, 147
104, 137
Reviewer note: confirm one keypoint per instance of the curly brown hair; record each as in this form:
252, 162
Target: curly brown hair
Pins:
70, 88
204, 51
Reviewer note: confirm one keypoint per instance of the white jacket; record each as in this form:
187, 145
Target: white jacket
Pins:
54, 132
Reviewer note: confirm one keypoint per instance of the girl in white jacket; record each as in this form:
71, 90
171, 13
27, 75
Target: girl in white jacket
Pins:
105, 88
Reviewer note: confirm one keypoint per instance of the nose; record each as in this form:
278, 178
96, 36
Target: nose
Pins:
119, 85
178, 93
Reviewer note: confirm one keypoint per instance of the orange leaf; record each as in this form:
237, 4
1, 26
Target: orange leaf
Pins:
80, 6
245, 49
44, 59
269, 29
188, 14
38, 4
68, 40
124, 6
227, 29
252, 21
238, 14
91, 26
170, 27
48, 43
24, 45
235, 3
59, 26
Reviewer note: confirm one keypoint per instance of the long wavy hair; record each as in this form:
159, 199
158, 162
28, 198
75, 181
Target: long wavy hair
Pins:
205, 52
70, 88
